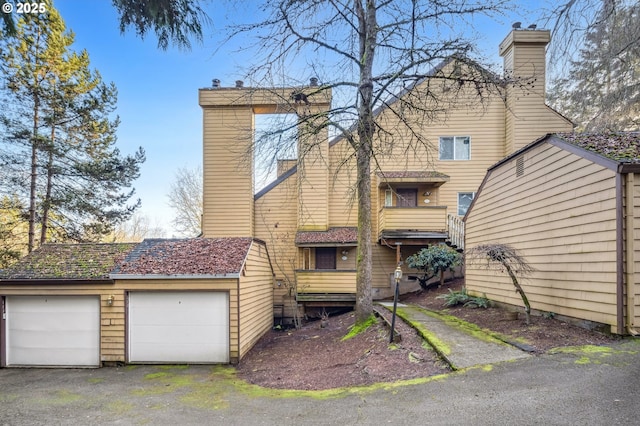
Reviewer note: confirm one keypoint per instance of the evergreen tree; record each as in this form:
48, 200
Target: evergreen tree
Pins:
58, 110
602, 89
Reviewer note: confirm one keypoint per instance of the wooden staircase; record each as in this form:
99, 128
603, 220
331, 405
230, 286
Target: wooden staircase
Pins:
455, 230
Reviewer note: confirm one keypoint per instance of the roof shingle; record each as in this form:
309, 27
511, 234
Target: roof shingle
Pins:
617, 146
86, 261
196, 256
331, 236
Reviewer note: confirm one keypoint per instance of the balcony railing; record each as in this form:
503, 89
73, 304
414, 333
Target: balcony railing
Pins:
326, 281
455, 229
423, 218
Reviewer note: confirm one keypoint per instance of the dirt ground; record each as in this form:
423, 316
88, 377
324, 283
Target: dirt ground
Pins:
315, 357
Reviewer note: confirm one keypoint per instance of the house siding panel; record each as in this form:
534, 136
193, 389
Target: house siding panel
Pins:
561, 216
255, 298
227, 203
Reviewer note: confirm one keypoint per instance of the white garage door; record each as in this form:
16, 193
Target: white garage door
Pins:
189, 327
53, 331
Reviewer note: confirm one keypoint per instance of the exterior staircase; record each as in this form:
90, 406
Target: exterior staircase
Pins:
455, 230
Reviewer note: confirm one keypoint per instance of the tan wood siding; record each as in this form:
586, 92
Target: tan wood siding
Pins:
326, 281
527, 116
255, 298
313, 179
633, 269
227, 173
561, 215
418, 218
275, 224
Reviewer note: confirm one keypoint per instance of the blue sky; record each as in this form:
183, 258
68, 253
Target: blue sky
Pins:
158, 90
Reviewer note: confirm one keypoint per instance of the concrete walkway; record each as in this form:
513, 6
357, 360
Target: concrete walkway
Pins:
458, 343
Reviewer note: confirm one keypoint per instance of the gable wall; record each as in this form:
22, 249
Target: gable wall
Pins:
560, 215
275, 223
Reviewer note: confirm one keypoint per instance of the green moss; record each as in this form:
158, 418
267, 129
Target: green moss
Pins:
359, 327
467, 327
119, 407
61, 397
96, 380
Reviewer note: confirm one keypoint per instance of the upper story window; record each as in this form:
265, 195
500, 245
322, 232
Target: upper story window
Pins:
455, 147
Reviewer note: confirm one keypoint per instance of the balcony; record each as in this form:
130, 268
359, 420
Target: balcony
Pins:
413, 222
316, 284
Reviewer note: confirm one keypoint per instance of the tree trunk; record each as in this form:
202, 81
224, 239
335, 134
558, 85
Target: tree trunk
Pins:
367, 38
46, 203
525, 300
34, 179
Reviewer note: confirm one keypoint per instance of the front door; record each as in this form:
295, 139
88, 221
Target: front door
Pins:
407, 197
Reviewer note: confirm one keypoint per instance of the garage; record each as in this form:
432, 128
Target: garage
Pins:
52, 331
178, 327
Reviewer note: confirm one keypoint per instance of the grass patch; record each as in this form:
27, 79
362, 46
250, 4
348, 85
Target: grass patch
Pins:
358, 328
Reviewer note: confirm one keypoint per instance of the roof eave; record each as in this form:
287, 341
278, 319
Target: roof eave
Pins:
234, 275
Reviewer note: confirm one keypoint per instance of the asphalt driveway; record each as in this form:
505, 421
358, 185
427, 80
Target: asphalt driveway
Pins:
587, 386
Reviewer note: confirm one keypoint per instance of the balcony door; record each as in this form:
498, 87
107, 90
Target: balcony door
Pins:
407, 197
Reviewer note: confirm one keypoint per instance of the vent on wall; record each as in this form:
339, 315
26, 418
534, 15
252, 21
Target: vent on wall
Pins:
519, 166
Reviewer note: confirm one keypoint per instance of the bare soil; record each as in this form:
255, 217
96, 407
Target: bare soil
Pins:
316, 357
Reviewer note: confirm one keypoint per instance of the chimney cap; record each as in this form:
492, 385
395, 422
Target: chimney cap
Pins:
313, 81
239, 83
215, 83
516, 25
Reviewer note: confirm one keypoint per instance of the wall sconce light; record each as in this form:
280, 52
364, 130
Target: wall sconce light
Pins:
344, 254
110, 300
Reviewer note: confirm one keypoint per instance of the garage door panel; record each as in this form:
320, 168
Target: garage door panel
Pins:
53, 330
178, 327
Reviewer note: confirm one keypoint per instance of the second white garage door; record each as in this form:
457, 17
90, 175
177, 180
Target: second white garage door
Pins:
178, 327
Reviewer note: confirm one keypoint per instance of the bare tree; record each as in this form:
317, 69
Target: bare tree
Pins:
504, 257
377, 50
185, 198
136, 229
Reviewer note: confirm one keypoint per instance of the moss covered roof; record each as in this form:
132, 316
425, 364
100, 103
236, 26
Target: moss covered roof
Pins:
617, 146
86, 261
195, 256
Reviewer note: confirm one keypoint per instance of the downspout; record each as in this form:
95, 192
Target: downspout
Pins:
619, 253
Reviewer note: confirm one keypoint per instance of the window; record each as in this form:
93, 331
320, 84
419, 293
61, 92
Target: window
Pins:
455, 148
388, 198
306, 258
464, 202
325, 258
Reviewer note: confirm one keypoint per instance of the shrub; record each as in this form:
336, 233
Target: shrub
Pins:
462, 298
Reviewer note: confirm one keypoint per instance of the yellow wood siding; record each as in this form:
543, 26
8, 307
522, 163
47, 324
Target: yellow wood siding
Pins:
227, 173
323, 281
527, 116
416, 218
560, 214
633, 251
112, 318
255, 298
313, 178
275, 224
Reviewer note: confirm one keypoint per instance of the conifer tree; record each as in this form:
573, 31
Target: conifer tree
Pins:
60, 111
